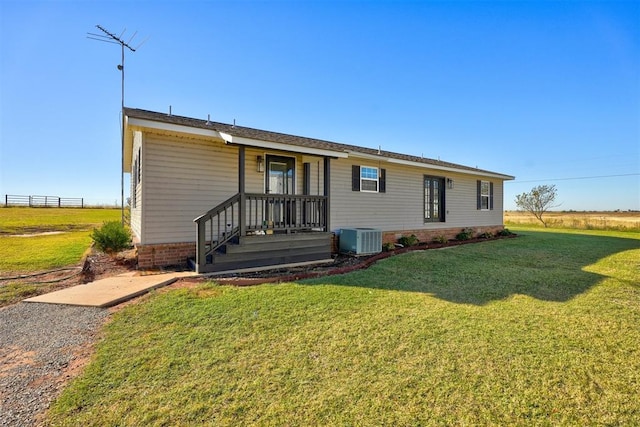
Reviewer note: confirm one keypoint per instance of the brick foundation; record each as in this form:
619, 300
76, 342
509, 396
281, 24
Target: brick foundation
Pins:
429, 235
163, 255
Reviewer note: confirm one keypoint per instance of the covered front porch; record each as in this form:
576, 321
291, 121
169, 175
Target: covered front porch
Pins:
251, 230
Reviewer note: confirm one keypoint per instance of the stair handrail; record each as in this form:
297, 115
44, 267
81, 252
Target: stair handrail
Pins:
219, 208
201, 248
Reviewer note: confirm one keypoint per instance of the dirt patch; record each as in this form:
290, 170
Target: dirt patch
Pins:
46, 233
98, 265
37, 230
94, 266
14, 356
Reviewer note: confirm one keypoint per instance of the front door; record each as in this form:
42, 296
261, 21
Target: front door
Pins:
280, 175
280, 181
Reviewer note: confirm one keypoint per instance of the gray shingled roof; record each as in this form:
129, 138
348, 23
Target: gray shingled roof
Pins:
263, 135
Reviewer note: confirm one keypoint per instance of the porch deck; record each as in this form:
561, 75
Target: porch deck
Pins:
257, 230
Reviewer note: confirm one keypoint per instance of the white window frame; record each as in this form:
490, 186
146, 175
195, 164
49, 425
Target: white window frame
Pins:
369, 179
485, 185
136, 177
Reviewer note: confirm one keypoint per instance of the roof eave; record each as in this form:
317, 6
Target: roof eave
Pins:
465, 171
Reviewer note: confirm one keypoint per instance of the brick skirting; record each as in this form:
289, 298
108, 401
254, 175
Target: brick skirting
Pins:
163, 255
429, 235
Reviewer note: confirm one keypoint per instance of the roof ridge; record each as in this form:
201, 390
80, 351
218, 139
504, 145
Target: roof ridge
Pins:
284, 138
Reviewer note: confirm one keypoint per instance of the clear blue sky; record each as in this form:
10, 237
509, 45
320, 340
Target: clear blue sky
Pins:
545, 91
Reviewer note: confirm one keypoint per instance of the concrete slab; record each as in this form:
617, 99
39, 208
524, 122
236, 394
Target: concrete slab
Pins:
110, 291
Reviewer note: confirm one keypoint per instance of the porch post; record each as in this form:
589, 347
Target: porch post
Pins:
201, 258
327, 193
241, 180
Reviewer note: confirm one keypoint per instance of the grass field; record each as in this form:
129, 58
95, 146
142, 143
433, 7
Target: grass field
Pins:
621, 221
537, 330
37, 239
38, 220
24, 248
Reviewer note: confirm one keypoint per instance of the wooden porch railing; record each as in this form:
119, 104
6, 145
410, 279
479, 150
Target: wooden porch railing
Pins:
250, 213
283, 212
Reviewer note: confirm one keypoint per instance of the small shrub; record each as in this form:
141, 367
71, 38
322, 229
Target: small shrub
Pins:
486, 235
387, 247
505, 232
111, 237
465, 234
407, 241
440, 239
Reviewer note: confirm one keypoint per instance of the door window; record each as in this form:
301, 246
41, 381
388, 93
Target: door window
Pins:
280, 175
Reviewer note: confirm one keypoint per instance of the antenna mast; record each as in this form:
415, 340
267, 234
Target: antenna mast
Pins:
109, 37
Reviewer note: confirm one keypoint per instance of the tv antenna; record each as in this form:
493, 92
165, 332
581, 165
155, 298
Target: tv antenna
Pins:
109, 37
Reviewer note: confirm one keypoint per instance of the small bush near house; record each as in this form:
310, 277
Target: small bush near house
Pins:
486, 235
505, 232
407, 241
465, 234
387, 247
111, 237
440, 239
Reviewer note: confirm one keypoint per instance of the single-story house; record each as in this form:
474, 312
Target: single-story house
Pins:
232, 197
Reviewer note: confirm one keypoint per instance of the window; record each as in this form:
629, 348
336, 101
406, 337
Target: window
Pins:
485, 195
139, 164
136, 175
368, 179
433, 199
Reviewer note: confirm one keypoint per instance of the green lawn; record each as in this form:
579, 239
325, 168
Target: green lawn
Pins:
538, 330
26, 220
42, 252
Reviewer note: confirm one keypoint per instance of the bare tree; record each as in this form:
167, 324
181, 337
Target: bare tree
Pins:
538, 201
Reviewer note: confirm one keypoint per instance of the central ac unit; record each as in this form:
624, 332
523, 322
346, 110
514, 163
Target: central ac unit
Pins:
360, 241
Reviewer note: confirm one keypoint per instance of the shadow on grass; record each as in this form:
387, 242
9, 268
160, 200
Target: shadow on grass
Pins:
543, 265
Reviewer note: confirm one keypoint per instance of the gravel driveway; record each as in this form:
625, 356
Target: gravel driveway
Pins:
40, 346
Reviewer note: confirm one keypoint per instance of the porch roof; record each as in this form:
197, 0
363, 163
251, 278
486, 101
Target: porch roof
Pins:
234, 134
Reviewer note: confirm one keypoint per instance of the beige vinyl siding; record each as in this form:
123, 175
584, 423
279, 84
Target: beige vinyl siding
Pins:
401, 207
317, 175
254, 180
183, 178
136, 213
396, 209
462, 202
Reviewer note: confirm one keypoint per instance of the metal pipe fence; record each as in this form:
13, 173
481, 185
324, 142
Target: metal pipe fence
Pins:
43, 201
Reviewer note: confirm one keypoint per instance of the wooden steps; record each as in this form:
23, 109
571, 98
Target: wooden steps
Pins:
270, 250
